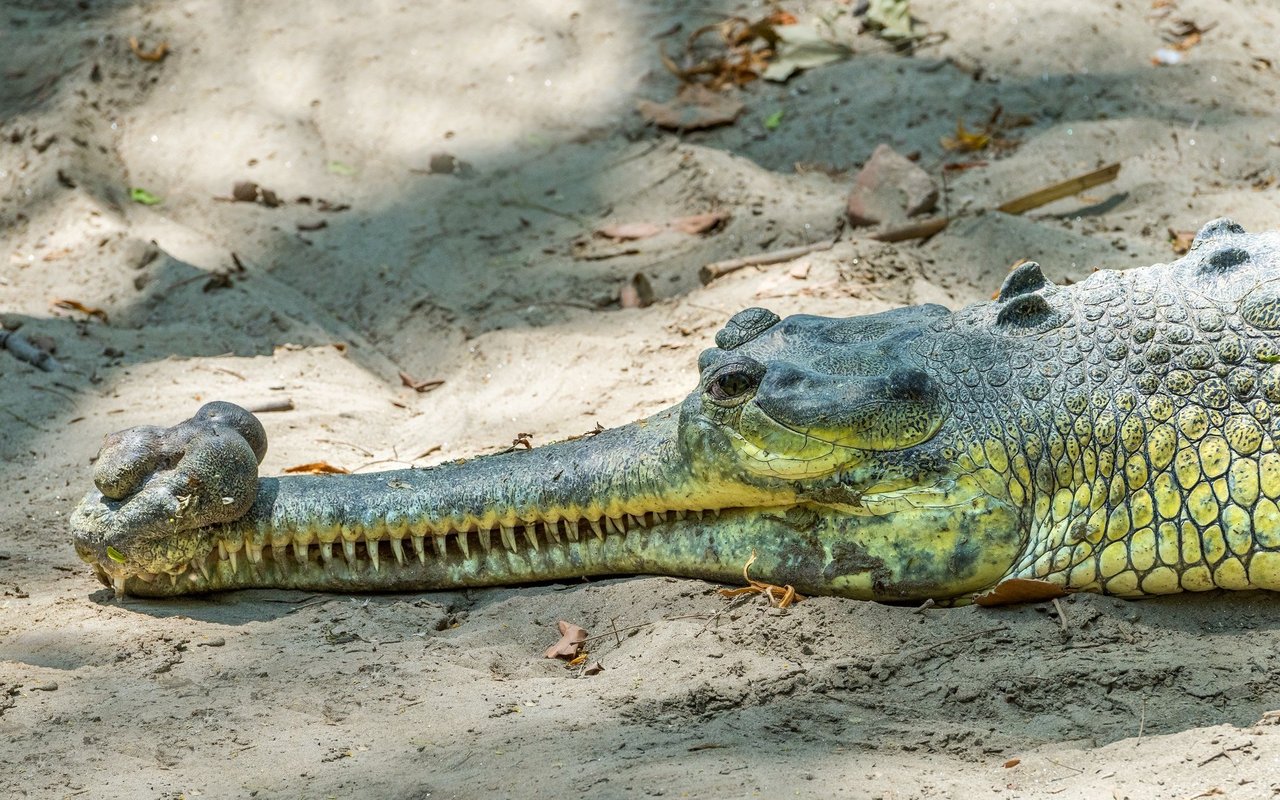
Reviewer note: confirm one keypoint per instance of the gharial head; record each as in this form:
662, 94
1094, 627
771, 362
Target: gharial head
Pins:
813, 439
806, 397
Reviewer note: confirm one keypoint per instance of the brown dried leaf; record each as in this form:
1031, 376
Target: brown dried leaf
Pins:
966, 141
1011, 763
76, 305
700, 223
696, 107
1020, 590
161, 50
637, 292
630, 231
570, 644
1180, 241
594, 668
317, 468
420, 386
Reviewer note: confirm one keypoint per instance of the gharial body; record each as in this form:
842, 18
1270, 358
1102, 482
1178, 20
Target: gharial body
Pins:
1118, 435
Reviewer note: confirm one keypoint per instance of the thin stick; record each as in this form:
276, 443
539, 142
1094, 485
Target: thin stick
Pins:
715, 270
916, 230
1062, 616
274, 405
1057, 191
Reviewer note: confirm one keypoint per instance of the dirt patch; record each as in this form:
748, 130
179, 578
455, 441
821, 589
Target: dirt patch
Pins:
436, 173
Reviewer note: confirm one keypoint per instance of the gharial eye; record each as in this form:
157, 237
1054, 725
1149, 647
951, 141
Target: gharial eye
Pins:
733, 384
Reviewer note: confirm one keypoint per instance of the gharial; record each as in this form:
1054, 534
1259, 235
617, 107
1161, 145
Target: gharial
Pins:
1118, 435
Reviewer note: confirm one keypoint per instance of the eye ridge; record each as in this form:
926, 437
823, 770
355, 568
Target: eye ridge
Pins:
733, 384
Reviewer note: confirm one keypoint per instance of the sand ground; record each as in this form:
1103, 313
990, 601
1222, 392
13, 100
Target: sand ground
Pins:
488, 279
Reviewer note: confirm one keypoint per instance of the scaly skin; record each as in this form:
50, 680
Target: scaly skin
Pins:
1118, 435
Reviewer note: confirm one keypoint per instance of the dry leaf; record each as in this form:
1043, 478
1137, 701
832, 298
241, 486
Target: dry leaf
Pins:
161, 50
317, 468
1181, 241
700, 223
76, 305
1020, 590
966, 141
420, 386
694, 108
637, 292
570, 644
630, 231
1011, 763
594, 668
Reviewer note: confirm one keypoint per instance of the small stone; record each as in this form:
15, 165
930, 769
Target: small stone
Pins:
889, 189
442, 164
47, 686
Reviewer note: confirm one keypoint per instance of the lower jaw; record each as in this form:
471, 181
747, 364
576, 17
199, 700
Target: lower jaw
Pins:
686, 544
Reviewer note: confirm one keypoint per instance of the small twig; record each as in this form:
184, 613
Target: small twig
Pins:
927, 604
1062, 615
616, 630
1142, 715
273, 405
1076, 770
955, 639
916, 230
356, 447
1057, 191
24, 350
720, 268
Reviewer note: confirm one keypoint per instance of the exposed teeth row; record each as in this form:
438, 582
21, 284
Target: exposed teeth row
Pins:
510, 536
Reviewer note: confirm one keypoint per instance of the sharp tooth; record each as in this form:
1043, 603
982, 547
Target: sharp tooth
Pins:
198, 564
660, 516
234, 558
254, 550
715, 512
571, 528
680, 515
531, 536
639, 520
482, 535
420, 549
463, 544
301, 551
397, 547
118, 584
371, 547
509, 537
696, 514
595, 528
222, 550
173, 580
616, 524
439, 542
326, 551
553, 531
349, 550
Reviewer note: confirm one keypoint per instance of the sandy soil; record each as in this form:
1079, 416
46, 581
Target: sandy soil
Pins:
474, 278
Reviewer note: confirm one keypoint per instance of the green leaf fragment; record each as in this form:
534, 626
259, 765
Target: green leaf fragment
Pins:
772, 121
891, 19
801, 47
339, 168
115, 555
140, 195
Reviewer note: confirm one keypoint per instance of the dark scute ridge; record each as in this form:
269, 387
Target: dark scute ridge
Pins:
745, 326
1216, 229
1025, 311
1024, 279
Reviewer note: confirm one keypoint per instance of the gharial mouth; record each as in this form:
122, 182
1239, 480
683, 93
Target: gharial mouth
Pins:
389, 556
